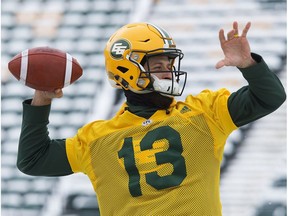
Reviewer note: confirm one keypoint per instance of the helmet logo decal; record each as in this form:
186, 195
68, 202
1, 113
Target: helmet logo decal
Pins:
118, 48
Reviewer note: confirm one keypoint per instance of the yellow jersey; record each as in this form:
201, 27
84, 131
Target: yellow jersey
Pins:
168, 164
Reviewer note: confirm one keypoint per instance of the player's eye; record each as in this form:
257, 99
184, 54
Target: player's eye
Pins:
156, 68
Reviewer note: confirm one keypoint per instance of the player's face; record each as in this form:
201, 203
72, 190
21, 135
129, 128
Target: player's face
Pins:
159, 64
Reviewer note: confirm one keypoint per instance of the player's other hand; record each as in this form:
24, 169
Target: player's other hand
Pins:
236, 48
42, 98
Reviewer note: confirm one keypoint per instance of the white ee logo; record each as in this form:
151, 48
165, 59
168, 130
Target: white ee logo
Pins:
118, 48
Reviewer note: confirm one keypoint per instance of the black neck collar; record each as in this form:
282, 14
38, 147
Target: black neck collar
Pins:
145, 105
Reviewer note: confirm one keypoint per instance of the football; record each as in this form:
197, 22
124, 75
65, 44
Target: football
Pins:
45, 68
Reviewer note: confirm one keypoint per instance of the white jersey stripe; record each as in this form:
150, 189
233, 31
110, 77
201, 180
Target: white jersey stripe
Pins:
24, 66
68, 72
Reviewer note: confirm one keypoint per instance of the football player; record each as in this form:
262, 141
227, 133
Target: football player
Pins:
157, 155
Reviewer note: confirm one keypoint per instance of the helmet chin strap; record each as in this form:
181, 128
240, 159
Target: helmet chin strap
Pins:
165, 86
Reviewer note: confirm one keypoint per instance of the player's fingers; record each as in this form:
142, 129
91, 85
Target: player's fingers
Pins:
58, 93
231, 34
235, 27
221, 36
246, 29
220, 64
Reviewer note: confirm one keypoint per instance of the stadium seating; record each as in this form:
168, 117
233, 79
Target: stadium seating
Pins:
82, 28
274, 201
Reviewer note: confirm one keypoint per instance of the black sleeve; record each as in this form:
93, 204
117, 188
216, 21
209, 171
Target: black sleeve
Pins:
263, 95
38, 155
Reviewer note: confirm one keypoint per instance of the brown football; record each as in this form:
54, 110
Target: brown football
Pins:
45, 68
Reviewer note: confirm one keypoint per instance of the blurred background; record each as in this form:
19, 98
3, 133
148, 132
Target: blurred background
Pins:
254, 168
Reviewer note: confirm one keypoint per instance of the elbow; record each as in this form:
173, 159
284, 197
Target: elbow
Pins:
284, 96
21, 167
24, 167
281, 98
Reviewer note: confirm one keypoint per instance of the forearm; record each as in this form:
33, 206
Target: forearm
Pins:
264, 94
37, 153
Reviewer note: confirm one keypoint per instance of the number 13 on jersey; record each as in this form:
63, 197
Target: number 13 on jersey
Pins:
173, 156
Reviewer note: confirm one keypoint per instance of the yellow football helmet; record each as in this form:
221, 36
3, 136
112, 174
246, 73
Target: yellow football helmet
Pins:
130, 48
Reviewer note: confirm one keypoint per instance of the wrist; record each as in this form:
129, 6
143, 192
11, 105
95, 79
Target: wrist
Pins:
248, 63
40, 100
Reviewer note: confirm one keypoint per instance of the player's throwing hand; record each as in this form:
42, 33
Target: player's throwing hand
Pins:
42, 98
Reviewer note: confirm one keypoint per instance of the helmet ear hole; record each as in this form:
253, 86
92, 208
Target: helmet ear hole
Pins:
122, 69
